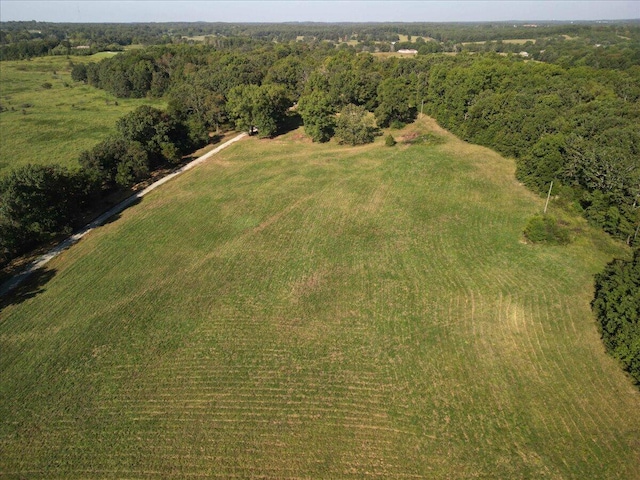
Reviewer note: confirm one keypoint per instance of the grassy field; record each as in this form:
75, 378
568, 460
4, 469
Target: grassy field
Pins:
293, 310
53, 125
405, 38
514, 41
197, 38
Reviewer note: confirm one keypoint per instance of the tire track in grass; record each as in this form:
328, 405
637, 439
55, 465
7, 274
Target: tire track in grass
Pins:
511, 316
254, 390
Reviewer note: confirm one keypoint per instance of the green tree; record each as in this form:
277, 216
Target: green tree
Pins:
396, 102
153, 128
240, 106
36, 202
318, 116
289, 72
617, 307
429, 47
270, 109
261, 107
133, 166
389, 141
101, 162
354, 126
198, 102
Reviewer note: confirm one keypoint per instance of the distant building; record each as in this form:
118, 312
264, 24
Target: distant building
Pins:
524, 54
407, 50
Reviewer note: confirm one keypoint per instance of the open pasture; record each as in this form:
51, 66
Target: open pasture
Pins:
405, 38
49, 118
293, 310
513, 41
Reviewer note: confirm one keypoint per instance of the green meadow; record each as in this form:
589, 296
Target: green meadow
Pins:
295, 310
48, 118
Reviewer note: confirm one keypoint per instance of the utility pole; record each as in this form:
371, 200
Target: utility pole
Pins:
548, 196
422, 108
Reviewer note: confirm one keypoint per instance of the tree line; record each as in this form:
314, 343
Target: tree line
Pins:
617, 306
19, 40
575, 126
39, 203
597, 51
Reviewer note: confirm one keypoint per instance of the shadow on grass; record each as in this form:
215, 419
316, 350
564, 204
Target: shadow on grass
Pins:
214, 139
292, 121
30, 287
115, 216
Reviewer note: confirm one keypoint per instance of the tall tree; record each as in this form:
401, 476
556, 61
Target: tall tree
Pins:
396, 100
240, 106
261, 107
318, 116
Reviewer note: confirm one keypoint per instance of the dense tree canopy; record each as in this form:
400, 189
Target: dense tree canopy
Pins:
37, 202
156, 131
570, 126
396, 101
617, 306
102, 160
263, 107
146, 139
318, 116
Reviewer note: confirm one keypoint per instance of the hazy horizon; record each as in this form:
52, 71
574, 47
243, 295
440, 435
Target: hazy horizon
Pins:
325, 11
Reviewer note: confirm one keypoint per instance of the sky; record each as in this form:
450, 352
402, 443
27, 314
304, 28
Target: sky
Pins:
315, 10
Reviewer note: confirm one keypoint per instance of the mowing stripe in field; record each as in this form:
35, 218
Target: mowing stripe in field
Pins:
293, 310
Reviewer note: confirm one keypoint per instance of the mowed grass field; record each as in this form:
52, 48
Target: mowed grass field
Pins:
293, 310
54, 125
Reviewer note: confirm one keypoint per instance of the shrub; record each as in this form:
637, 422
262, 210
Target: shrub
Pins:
47, 85
79, 72
545, 229
389, 141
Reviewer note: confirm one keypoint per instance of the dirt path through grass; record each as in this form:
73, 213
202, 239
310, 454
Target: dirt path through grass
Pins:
41, 261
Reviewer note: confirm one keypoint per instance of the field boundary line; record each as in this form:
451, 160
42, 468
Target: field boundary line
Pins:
41, 261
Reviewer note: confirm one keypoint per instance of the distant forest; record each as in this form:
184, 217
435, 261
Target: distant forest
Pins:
566, 43
562, 99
